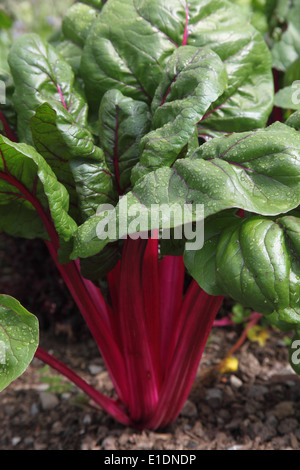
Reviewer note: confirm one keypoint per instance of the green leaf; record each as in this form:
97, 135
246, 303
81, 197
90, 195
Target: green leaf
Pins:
122, 123
5, 20
256, 171
5, 45
264, 265
294, 120
130, 43
94, 183
32, 202
77, 162
77, 22
19, 337
97, 267
98, 4
292, 73
254, 11
289, 97
193, 79
255, 261
287, 49
50, 143
201, 264
41, 75
71, 53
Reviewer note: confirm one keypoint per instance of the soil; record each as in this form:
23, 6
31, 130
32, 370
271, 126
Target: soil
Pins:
256, 407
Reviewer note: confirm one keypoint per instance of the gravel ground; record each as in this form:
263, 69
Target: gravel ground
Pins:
256, 407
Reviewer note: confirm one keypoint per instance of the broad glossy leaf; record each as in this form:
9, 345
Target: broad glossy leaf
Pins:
94, 183
254, 11
255, 261
257, 264
6, 83
32, 202
78, 163
287, 49
122, 123
19, 338
49, 142
5, 45
288, 97
71, 53
292, 73
294, 120
41, 75
77, 22
201, 264
131, 41
256, 171
193, 79
98, 4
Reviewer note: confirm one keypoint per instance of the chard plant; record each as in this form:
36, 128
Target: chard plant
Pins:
139, 104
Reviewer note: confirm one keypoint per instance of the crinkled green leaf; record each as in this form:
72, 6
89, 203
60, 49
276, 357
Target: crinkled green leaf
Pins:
98, 4
138, 211
130, 43
287, 49
254, 260
5, 45
31, 198
42, 75
192, 80
201, 264
257, 264
94, 182
6, 83
294, 120
288, 97
19, 337
254, 11
122, 123
71, 53
51, 145
77, 22
292, 73
256, 171
77, 162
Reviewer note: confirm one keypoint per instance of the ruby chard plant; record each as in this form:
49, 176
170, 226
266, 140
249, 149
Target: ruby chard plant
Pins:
135, 105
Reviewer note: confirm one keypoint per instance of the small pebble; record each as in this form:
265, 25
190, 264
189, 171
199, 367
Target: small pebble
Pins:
94, 369
16, 440
214, 397
48, 401
235, 381
189, 409
283, 410
34, 409
257, 392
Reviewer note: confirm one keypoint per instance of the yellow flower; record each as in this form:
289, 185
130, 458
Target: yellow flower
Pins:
229, 364
259, 334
